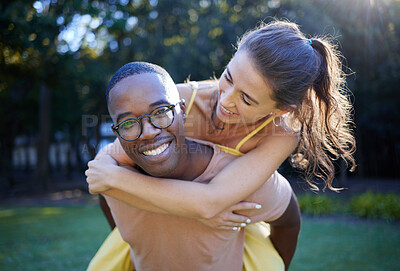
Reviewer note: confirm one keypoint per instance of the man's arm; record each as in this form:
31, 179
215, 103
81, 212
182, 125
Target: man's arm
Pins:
106, 211
285, 231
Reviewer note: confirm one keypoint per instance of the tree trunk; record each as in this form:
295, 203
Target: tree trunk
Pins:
42, 166
6, 167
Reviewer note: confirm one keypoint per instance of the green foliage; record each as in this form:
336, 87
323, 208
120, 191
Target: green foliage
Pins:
316, 204
367, 205
376, 205
188, 38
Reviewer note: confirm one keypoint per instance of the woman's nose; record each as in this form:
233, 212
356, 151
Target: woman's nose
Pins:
148, 130
227, 97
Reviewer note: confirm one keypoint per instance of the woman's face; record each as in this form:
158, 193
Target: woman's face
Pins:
245, 96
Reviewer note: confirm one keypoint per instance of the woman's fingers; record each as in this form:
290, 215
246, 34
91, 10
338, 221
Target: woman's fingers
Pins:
230, 228
230, 220
244, 205
236, 218
231, 224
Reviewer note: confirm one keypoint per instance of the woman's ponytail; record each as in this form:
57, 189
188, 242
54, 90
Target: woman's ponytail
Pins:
326, 132
306, 74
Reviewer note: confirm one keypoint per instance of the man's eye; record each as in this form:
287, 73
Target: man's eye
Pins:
161, 111
127, 124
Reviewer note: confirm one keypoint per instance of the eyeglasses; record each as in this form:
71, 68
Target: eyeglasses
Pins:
131, 129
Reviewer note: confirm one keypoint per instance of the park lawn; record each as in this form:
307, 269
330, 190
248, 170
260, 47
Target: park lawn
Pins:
50, 238
65, 238
337, 243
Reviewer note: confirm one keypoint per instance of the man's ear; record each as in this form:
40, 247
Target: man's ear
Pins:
182, 105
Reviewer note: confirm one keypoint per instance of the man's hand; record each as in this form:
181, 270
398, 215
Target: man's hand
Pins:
99, 175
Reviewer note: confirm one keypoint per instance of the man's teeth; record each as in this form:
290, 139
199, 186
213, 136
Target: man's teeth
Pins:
156, 151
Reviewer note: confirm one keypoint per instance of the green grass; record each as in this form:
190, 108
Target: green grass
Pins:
65, 238
50, 238
352, 244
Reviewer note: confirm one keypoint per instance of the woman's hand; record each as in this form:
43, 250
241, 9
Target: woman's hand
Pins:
228, 219
99, 175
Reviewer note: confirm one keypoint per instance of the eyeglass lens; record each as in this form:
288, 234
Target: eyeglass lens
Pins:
161, 117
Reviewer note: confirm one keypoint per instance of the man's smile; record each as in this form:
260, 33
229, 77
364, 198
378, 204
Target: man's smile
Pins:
156, 151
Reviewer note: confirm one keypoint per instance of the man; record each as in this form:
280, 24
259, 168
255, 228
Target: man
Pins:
148, 120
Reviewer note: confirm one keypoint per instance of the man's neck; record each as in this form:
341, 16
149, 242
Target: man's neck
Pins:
194, 161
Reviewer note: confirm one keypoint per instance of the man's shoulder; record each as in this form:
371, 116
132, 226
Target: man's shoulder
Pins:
218, 161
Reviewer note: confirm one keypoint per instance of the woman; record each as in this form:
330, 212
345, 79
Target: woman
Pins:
280, 94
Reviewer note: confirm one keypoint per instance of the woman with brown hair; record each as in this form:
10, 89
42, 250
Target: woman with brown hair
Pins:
281, 95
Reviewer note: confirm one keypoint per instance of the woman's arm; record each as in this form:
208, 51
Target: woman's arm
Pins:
225, 220
285, 231
234, 183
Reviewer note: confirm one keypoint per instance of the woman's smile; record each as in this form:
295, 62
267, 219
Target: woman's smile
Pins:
227, 112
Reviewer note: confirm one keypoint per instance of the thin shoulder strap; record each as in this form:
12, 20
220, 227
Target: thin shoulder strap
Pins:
255, 131
229, 150
195, 86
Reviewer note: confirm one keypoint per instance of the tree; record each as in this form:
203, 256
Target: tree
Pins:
68, 50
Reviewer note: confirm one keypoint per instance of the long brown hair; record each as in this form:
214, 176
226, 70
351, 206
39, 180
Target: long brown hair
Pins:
307, 74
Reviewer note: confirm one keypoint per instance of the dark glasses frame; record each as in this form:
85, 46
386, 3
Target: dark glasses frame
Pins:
139, 120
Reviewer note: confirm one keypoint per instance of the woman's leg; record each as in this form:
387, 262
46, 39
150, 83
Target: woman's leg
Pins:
113, 255
259, 252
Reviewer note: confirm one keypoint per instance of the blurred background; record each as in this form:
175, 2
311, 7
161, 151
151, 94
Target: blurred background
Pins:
57, 56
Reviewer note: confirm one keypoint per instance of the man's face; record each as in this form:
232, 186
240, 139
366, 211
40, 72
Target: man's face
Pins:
155, 151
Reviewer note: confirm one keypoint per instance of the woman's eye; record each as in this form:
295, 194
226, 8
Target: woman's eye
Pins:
226, 78
245, 100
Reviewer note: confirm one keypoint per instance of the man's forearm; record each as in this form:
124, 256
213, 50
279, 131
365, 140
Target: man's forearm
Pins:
285, 242
106, 211
285, 231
